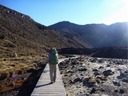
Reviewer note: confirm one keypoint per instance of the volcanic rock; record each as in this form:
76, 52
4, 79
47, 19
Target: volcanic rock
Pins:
108, 72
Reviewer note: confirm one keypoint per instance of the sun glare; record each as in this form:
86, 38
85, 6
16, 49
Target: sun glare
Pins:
125, 1
120, 12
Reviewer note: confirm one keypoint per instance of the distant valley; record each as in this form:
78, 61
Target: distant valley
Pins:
21, 35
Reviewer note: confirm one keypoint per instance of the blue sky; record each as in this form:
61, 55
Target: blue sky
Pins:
48, 12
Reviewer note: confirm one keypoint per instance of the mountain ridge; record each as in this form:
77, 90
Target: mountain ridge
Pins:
98, 35
20, 34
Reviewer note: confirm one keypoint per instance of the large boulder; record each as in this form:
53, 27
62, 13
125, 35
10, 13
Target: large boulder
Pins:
82, 69
90, 82
108, 72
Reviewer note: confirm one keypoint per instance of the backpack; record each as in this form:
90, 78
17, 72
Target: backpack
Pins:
53, 57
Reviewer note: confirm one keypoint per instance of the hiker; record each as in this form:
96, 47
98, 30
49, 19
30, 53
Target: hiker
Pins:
53, 61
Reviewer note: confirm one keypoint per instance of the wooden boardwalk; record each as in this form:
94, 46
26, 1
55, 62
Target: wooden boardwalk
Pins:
44, 88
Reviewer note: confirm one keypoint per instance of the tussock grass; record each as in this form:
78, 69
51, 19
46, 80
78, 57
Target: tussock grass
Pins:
18, 65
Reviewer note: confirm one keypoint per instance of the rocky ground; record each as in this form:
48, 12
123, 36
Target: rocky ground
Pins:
88, 76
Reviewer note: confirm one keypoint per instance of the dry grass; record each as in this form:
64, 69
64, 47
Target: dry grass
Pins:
19, 65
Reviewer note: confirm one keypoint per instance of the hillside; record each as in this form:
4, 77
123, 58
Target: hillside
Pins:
23, 49
22, 35
98, 35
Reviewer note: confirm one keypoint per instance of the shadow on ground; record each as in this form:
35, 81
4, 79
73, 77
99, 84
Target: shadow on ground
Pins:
31, 82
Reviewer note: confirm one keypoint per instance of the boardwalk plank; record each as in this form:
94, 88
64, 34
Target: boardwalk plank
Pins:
44, 88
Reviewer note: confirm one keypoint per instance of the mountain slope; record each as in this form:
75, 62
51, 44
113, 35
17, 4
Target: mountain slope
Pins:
22, 35
98, 35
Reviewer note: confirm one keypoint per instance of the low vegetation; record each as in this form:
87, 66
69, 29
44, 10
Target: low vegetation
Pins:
14, 71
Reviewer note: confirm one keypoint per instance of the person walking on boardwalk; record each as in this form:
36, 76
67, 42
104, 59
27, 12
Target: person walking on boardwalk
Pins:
53, 61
